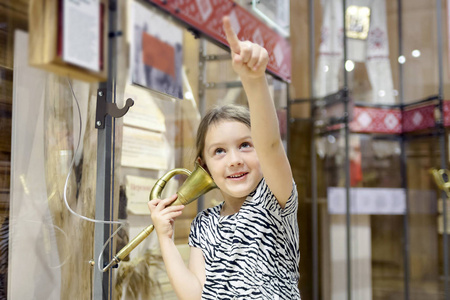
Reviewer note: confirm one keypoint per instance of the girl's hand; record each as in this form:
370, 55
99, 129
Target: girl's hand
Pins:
163, 215
249, 60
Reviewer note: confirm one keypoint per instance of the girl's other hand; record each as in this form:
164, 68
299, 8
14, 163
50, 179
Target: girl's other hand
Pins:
163, 215
249, 60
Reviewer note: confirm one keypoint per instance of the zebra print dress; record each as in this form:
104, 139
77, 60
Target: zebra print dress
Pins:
253, 254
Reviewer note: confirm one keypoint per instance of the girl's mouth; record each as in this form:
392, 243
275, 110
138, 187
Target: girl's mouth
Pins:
237, 175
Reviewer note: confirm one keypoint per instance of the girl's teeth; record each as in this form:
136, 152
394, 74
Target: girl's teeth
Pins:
236, 176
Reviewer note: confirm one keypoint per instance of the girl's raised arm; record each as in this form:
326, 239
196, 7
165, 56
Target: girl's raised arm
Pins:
250, 60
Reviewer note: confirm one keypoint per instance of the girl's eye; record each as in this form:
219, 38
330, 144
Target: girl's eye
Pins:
246, 145
219, 151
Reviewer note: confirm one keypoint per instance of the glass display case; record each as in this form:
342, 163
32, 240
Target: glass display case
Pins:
79, 159
377, 89
364, 118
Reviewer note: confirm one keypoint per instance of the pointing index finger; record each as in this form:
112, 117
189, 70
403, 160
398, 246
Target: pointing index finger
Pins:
231, 35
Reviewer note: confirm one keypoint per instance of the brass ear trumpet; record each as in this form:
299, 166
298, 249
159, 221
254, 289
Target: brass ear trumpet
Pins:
198, 183
442, 180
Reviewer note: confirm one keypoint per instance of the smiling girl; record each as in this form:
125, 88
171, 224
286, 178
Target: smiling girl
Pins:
247, 246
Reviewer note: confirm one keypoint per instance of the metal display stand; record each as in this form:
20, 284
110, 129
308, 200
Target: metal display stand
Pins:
104, 203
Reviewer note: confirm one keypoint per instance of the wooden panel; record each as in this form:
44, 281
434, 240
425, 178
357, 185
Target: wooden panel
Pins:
182, 228
15, 5
14, 16
13, 20
5, 114
300, 160
43, 31
5, 135
300, 84
6, 86
4, 203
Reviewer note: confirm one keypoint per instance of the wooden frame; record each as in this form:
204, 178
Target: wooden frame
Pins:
44, 18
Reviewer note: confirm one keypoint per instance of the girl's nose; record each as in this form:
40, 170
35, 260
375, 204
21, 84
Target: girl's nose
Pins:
235, 158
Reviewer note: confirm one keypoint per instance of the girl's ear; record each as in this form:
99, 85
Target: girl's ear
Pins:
201, 163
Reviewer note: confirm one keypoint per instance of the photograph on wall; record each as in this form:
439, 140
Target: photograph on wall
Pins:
156, 52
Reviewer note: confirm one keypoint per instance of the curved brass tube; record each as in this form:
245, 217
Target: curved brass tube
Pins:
161, 183
198, 183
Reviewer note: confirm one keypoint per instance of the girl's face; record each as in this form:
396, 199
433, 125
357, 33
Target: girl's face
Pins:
231, 159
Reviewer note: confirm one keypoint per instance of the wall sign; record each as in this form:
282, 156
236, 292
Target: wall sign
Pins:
367, 201
81, 33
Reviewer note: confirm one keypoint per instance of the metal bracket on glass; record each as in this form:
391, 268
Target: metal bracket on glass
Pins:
104, 108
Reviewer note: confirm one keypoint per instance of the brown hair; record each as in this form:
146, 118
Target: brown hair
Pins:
229, 112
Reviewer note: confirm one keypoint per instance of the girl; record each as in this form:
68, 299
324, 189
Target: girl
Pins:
247, 246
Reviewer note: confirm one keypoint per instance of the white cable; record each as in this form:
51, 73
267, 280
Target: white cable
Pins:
121, 223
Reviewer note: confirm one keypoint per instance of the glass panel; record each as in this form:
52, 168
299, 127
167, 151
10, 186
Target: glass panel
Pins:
53, 176
53, 168
13, 15
381, 168
420, 49
140, 161
376, 250
425, 240
46, 132
371, 62
376, 160
334, 229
